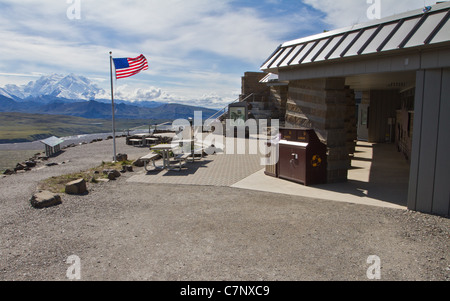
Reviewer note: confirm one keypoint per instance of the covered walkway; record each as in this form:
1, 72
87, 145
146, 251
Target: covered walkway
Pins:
378, 177
399, 67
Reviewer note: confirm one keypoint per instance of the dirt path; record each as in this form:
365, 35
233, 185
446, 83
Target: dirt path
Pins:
133, 231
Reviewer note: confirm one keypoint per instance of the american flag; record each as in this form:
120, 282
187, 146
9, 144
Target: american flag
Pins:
126, 67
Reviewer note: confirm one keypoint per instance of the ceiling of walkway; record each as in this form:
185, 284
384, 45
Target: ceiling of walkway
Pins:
382, 81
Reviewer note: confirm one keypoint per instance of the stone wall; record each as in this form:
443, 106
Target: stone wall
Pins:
326, 105
279, 96
251, 84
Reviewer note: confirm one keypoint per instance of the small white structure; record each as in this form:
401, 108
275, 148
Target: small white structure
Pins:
52, 145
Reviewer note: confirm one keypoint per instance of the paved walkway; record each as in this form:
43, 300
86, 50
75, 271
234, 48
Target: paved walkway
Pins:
379, 177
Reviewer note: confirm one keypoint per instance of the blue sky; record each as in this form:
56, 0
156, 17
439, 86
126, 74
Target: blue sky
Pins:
198, 50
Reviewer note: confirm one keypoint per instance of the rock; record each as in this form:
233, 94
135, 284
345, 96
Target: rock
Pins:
30, 163
129, 168
138, 163
44, 199
19, 167
8, 172
112, 173
51, 164
76, 187
122, 157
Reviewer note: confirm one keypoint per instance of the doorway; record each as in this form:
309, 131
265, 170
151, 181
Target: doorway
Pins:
363, 122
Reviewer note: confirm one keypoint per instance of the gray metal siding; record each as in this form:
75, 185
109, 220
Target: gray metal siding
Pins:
441, 201
417, 140
428, 146
429, 186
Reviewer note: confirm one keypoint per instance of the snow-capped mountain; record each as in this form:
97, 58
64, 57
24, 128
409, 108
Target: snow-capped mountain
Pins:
56, 86
6, 94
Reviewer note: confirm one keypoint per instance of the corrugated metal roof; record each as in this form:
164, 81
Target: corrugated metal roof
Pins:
52, 141
413, 29
272, 79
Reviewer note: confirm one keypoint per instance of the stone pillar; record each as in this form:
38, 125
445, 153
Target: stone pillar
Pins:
251, 84
322, 104
278, 96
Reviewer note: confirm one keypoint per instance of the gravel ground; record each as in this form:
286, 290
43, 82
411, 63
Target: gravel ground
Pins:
133, 231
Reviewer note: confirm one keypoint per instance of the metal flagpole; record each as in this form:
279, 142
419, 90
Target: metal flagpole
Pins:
112, 104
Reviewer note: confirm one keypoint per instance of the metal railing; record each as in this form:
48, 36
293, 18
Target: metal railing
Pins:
225, 109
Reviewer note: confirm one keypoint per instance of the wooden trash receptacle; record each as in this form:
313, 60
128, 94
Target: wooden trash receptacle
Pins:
303, 157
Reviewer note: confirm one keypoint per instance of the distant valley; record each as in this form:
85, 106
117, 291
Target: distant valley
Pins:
35, 111
24, 127
96, 109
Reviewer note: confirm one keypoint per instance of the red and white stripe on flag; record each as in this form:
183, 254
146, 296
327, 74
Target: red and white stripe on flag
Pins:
127, 67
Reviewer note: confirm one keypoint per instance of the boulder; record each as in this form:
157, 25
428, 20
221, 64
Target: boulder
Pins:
76, 187
8, 172
44, 199
30, 163
122, 157
19, 167
112, 173
126, 168
138, 163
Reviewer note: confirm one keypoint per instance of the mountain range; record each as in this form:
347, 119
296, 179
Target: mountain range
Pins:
75, 95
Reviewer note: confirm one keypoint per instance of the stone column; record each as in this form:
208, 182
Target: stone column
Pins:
278, 96
322, 104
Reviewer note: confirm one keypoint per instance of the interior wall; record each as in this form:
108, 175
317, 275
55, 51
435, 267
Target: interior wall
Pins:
382, 112
405, 123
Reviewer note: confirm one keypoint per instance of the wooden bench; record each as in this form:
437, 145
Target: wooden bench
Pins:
198, 151
150, 157
139, 141
181, 158
151, 140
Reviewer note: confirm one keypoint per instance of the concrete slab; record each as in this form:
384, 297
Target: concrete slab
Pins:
379, 177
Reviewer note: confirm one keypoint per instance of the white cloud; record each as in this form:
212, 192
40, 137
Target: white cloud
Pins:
345, 13
197, 49
136, 94
38, 37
